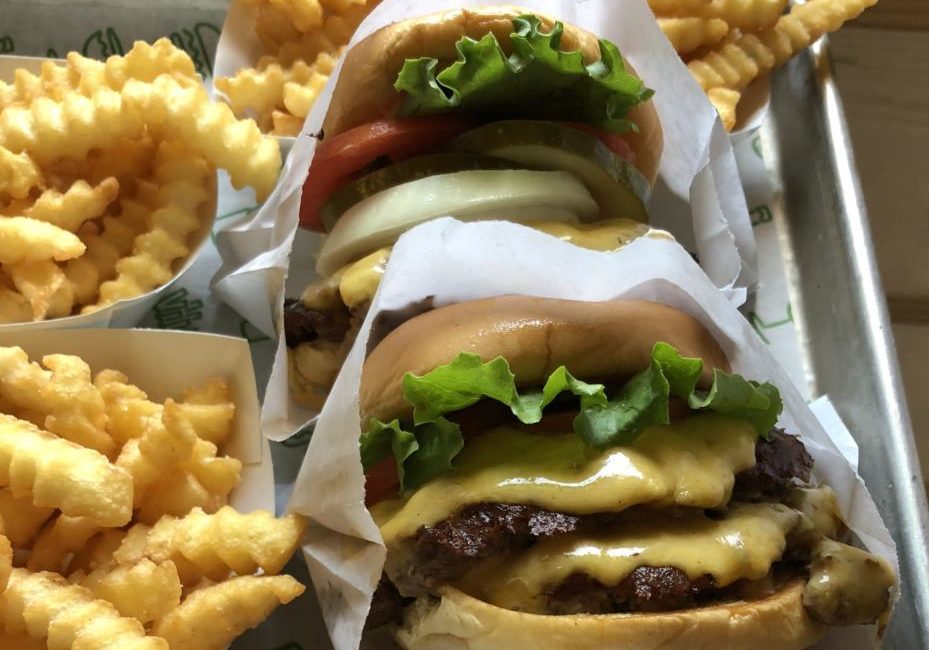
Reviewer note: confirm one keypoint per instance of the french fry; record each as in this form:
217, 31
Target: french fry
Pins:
6, 561
690, 33
58, 541
24, 240
219, 475
285, 124
748, 15
57, 473
128, 408
20, 642
21, 519
146, 62
46, 606
737, 64
678, 7
98, 552
176, 496
104, 249
45, 286
210, 410
18, 174
164, 444
126, 161
155, 251
726, 101
212, 617
49, 130
335, 33
186, 113
64, 395
72, 208
213, 546
14, 308
144, 591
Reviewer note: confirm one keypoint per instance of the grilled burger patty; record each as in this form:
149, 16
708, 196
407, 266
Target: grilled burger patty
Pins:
444, 552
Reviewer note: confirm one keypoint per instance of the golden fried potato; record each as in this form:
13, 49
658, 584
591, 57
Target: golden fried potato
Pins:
58, 541
64, 397
217, 544
24, 240
18, 174
57, 473
212, 617
21, 519
144, 591
6, 561
165, 444
46, 606
128, 408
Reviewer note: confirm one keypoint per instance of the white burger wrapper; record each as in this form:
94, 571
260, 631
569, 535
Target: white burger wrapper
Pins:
453, 262
164, 364
124, 313
698, 196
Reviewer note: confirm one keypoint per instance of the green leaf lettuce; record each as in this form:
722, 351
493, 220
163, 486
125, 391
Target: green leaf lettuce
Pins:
428, 448
538, 80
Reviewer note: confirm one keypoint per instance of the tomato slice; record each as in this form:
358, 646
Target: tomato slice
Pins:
340, 157
381, 481
613, 141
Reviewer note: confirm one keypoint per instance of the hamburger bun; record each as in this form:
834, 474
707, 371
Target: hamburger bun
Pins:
595, 340
456, 621
365, 90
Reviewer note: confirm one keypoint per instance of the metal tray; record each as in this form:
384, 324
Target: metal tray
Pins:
841, 313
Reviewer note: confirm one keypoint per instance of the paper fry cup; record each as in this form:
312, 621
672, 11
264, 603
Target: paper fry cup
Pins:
344, 550
164, 364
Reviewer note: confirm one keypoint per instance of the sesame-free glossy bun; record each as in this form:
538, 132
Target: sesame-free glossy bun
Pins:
597, 341
456, 621
365, 90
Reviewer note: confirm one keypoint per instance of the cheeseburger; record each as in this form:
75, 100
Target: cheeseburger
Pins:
554, 474
484, 113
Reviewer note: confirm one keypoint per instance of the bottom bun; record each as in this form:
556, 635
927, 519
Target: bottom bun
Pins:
456, 621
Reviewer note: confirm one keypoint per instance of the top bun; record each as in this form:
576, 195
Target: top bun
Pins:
596, 341
365, 90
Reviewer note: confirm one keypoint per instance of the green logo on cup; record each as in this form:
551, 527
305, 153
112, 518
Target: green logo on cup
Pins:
760, 325
102, 43
199, 42
761, 214
299, 439
175, 311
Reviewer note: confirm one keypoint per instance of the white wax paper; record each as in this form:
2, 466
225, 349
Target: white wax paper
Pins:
454, 262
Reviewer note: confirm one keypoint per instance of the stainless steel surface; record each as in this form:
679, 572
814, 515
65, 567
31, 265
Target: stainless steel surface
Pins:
843, 320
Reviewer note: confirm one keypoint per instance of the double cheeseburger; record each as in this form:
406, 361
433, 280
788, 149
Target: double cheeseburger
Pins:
554, 474
485, 113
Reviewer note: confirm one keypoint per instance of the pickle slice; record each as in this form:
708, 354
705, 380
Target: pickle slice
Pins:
618, 187
403, 172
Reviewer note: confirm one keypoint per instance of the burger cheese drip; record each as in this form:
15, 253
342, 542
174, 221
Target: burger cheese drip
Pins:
691, 463
741, 545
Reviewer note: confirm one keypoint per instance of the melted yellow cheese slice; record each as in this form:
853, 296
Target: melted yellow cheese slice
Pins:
690, 463
741, 545
356, 283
